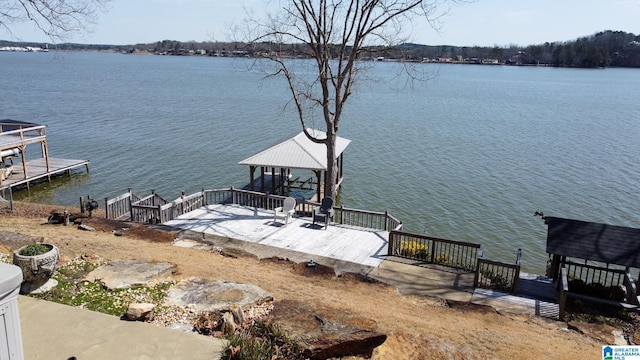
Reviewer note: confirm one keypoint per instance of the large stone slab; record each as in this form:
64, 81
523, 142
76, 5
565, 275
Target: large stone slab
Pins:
323, 332
119, 274
217, 295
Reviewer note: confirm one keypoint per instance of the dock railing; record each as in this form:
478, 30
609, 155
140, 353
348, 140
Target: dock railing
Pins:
120, 206
607, 283
498, 275
182, 205
451, 253
154, 209
147, 209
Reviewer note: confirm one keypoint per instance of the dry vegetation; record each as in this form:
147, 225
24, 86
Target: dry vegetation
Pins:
418, 327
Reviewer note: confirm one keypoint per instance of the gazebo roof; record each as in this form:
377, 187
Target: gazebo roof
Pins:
297, 152
593, 241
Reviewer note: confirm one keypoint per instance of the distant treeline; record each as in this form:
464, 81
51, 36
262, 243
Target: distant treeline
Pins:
603, 49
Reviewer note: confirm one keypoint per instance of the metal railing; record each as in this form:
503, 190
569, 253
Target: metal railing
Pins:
601, 282
456, 254
497, 275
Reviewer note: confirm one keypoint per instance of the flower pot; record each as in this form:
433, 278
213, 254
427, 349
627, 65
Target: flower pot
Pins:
36, 269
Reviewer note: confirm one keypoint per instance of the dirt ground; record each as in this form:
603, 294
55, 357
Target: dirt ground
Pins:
417, 327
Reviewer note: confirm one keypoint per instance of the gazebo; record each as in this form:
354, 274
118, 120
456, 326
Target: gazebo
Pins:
294, 153
596, 260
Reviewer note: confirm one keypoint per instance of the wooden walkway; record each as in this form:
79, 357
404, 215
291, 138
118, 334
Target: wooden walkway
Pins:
358, 245
37, 171
536, 296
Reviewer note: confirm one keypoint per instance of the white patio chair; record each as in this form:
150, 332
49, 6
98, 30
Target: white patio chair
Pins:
286, 211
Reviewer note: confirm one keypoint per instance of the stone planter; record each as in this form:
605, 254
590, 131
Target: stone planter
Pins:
37, 269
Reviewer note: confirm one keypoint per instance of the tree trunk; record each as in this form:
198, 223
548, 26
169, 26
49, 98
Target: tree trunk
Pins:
332, 165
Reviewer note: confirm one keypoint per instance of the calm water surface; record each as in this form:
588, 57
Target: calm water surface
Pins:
469, 155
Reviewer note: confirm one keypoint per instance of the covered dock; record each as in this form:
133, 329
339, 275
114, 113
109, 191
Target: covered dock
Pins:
16, 169
594, 261
294, 153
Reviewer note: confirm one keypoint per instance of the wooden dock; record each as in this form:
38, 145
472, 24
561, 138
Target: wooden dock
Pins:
362, 246
37, 171
15, 137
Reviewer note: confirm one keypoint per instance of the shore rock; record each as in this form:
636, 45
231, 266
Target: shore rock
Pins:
218, 295
325, 332
120, 274
140, 312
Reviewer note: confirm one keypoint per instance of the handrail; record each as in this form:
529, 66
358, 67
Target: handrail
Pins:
119, 206
491, 274
165, 210
346, 216
24, 130
593, 274
452, 253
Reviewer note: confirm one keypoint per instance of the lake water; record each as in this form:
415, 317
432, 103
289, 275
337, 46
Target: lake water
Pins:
469, 155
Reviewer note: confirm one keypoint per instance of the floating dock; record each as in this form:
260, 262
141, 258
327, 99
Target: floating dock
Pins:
15, 136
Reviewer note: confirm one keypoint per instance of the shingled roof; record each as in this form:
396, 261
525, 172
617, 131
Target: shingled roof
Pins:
593, 241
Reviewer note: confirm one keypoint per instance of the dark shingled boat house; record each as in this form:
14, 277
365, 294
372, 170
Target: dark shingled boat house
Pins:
594, 260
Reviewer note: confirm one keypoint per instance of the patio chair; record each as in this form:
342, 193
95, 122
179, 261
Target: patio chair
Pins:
286, 211
324, 212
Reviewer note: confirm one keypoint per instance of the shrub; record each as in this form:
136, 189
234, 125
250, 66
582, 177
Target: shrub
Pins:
34, 249
443, 259
414, 249
262, 341
498, 281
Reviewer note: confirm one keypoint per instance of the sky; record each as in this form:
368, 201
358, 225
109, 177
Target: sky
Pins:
480, 23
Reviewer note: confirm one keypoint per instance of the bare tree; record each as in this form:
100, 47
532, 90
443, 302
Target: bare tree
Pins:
335, 34
55, 18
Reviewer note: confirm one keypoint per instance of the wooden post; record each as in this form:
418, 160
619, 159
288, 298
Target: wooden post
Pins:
106, 207
563, 287
318, 190
386, 220
273, 180
476, 277
252, 170
130, 203
24, 162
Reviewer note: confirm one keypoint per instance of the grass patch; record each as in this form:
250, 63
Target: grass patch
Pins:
261, 342
73, 290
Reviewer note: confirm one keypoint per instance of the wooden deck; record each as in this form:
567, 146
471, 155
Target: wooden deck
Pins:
536, 296
515, 304
37, 171
357, 245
